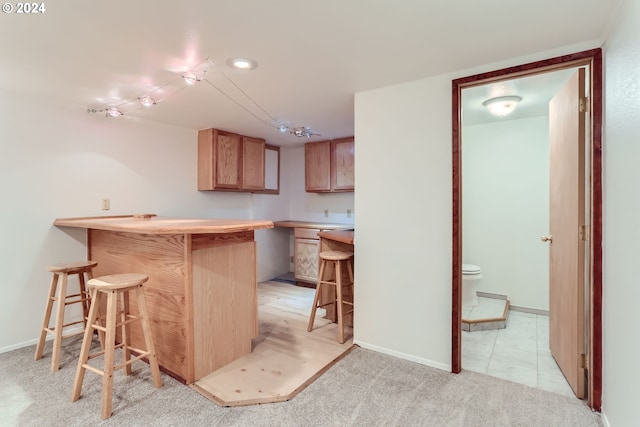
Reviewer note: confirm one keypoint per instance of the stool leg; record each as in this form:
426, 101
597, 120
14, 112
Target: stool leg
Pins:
57, 331
47, 316
312, 318
148, 339
339, 300
86, 302
86, 346
109, 354
126, 352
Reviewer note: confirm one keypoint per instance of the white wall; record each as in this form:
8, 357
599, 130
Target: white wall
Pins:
311, 206
403, 237
403, 199
59, 161
621, 243
505, 207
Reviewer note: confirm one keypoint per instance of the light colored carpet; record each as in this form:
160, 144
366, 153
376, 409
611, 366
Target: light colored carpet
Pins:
365, 388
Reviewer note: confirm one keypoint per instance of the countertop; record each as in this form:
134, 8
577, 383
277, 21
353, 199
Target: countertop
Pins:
152, 224
344, 236
309, 224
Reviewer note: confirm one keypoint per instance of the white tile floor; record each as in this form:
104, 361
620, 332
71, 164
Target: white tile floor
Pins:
519, 353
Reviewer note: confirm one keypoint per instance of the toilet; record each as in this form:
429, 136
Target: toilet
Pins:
471, 275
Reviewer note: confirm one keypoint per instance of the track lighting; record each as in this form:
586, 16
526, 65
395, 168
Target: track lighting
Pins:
192, 78
147, 101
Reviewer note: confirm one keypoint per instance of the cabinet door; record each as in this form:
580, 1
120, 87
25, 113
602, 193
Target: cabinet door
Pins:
306, 260
317, 166
227, 149
342, 165
252, 163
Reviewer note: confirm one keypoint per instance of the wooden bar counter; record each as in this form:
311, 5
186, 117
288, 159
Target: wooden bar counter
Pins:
202, 289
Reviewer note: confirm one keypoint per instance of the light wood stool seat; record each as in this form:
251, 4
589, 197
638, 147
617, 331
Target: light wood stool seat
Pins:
111, 287
58, 293
335, 259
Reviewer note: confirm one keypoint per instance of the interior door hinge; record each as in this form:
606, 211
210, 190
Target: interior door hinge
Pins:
584, 361
584, 232
584, 104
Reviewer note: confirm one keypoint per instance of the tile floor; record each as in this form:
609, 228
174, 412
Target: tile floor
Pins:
518, 353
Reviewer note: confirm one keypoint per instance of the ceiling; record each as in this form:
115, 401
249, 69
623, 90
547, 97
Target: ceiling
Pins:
312, 56
536, 91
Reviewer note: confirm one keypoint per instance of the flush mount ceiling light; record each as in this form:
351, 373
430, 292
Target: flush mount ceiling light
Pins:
147, 101
502, 105
242, 63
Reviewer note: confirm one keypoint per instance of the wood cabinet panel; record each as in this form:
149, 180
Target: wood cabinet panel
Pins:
228, 160
253, 163
306, 259
233, 162
342, 165
221, 335
317, 166
329, 166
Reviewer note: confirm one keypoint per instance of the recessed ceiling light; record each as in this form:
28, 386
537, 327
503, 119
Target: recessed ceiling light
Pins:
242, 63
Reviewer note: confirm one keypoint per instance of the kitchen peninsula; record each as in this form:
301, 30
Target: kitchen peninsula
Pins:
202, 288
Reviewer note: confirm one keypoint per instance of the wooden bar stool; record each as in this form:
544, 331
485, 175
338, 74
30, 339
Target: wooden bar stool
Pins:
334, 258
111, 287
58, 292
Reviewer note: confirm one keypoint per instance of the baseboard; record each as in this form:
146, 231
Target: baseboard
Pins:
605, 421
404, 356
35, 340
491, 295
530, 310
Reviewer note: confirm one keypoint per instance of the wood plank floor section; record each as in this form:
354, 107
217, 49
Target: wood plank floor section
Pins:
285, 357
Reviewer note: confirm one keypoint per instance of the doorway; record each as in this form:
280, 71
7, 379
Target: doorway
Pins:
592, 61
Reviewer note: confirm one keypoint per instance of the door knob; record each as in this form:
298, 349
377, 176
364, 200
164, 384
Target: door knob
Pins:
546, 239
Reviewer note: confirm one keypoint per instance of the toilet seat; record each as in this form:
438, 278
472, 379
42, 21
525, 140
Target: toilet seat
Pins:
470, 269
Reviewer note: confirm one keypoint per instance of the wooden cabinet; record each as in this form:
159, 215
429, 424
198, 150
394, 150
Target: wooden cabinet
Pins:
306, 248
252, 163
329, 166
230, 162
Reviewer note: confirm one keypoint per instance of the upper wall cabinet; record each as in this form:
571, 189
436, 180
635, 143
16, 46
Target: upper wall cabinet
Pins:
232, 162
329, 166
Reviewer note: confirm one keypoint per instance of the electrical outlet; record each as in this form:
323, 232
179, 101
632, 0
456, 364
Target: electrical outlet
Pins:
326, 213
106, 204
348, 213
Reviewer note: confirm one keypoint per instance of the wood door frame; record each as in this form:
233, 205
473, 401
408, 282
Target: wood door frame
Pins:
593, 60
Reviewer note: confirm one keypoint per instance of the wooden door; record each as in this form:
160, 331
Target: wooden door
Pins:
567, 216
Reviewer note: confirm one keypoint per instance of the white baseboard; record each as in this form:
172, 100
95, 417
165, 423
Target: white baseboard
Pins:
404, 356
35, 340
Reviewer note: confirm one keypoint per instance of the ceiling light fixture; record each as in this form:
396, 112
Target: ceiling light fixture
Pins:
502, 105
242, 63
113, 112
192, 78
303, 132
147, 101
